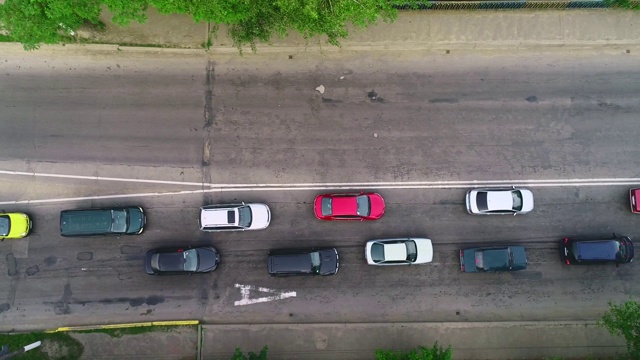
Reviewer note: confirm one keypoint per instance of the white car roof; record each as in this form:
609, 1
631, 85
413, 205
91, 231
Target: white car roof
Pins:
499, 200
217, 217
395, 252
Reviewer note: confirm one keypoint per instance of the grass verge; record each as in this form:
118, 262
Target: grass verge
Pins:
63, 346
55, 346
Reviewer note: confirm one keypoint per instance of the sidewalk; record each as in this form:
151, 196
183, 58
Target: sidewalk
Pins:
473, 341
412, 30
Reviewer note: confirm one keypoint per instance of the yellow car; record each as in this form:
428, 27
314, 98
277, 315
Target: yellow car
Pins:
14, 225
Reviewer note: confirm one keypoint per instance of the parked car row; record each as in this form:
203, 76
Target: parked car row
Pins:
325, 261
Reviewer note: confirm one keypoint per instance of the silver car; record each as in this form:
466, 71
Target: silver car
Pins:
234, 217
402, 251
499, 201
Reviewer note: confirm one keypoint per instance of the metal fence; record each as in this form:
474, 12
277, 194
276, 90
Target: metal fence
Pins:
480, 5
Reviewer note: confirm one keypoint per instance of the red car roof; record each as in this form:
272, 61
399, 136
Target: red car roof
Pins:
344, 206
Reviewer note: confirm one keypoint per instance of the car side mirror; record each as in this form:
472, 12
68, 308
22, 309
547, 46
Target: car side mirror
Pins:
514, 214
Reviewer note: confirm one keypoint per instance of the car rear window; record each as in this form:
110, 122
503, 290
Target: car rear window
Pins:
5, 225
377, 252
326, 206
481, 201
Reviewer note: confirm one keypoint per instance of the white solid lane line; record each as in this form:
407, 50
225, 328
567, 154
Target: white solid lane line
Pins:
383, 184
212, 187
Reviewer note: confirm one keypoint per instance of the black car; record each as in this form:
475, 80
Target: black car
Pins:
493, 259
292, 262
181, 260
616, 249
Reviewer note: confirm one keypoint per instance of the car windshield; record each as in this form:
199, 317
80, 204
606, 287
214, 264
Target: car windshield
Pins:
190, 260
119, 221
517, 200
481, 201
364, 205
5, 225
244, 216
412, 251
622, 250
315, 262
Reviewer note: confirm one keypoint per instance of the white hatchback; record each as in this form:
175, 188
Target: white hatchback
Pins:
499, 201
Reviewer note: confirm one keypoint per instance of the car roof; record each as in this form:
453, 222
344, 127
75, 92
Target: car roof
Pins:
597, 250
499, 200
171, 261
218, 217
395, 252
344, 205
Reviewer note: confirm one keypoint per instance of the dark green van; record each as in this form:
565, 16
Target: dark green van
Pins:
114, 221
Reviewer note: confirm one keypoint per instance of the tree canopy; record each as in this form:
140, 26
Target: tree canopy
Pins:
624, 320
36, 22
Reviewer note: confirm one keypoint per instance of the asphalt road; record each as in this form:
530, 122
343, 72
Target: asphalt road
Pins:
412, 123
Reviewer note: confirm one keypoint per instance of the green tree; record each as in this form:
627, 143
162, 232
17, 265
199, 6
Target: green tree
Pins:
625, 4
253, 21
624, 320
34, 22
436, 352
262, 355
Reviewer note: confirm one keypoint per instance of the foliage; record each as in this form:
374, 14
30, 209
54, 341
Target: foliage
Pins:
262, 355
126, 11
67, 347
625, 4
420, 353
34, 22
624, 320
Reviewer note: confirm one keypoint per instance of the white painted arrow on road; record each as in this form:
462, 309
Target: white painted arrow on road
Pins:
245, 290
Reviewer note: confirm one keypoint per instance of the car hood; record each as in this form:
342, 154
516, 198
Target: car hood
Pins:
329, 262
260, 216
527, 200
137, 220
208, 259
19, 225
377, 206
425, 251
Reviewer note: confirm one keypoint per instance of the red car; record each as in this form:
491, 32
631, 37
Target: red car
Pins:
634, 196
355, 206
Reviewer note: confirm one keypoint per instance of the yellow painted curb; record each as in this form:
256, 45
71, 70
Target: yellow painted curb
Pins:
124, 326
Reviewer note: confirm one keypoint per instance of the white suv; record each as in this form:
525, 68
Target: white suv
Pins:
234, 217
